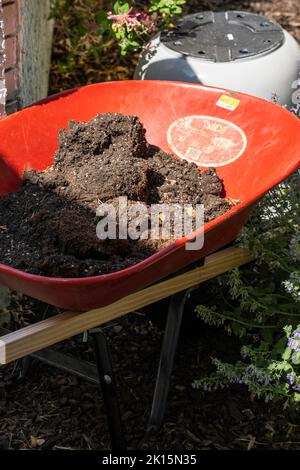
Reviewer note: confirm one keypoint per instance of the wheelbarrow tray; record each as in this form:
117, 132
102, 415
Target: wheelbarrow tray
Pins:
28, 139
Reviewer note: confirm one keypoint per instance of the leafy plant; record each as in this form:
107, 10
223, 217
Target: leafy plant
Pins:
133, 27
129, 22
167, 8
260, 302
83, 45
129, 27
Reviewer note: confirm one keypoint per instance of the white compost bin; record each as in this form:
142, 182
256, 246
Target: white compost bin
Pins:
235, 49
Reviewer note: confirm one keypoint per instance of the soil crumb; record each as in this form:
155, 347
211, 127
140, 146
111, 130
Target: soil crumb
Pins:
48, 226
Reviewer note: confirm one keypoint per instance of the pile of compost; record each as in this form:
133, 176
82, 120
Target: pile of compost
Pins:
48, 227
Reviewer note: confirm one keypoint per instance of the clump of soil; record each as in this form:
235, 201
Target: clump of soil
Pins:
48, 227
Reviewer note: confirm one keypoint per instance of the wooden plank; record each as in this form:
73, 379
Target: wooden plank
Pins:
65, 362
47, 332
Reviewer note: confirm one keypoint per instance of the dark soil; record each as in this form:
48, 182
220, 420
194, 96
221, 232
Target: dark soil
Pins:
48, 227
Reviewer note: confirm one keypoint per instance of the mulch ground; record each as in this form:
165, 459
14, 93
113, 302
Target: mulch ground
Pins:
53, 410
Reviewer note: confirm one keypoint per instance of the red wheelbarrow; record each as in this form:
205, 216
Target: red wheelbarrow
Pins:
263, 141
253, 144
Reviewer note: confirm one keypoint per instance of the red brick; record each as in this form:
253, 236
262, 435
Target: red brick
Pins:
5, 2
10, 15
10, 52
11, 79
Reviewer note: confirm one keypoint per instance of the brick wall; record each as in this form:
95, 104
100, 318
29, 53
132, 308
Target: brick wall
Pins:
2, 64
25, 53
10, 17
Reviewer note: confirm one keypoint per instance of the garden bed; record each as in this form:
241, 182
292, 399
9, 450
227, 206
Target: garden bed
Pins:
54, 410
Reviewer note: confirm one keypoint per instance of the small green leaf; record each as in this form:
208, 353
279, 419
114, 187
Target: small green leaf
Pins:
287, 354
296, 358
125, 8
116, 7
297, 397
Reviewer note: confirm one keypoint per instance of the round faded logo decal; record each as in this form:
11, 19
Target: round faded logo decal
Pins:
206, 140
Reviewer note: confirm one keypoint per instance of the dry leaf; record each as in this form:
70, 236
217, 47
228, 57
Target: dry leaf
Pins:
36, 442
251, 442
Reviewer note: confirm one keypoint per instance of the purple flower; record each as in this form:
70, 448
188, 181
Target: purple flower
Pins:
291, 379
294, 341
293, 344
244, 353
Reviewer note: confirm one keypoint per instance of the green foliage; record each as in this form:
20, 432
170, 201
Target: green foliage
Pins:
167, 8
83, 20
132, 25
127, 27
129, 22
122, 7
260, 302
84, 37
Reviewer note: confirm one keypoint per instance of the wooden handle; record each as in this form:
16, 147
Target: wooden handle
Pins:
34, 337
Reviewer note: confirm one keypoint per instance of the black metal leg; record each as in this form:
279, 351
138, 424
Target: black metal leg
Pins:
169, 345
22, 369
108, 386
23, 365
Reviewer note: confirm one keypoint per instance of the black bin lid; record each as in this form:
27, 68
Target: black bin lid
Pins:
223, 36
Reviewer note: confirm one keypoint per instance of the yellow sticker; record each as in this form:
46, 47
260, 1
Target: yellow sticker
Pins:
227, 102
